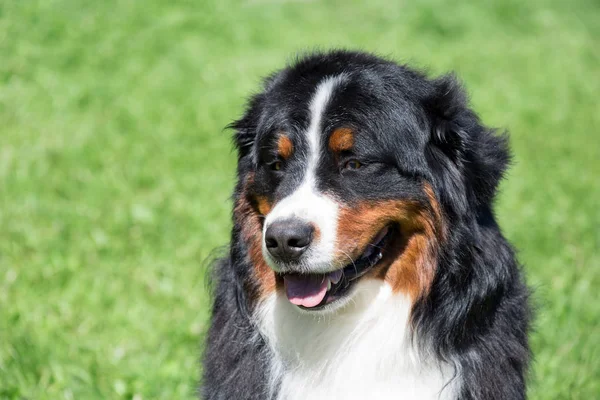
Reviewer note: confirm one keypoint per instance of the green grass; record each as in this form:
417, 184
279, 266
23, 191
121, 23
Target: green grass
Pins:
115, 173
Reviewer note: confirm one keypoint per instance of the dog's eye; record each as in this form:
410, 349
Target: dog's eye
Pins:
276, 166
352, 164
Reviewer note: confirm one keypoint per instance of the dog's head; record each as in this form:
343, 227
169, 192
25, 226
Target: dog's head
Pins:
352, 167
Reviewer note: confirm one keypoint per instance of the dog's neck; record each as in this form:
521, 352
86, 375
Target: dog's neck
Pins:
363, 350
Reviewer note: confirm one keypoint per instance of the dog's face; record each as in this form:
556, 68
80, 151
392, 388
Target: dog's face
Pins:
341, 159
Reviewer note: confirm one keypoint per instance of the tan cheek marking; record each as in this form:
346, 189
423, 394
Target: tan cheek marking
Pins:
285, 147
413, 271
358, 225
436, 209
409, 263
251, 231
342, 139
264, 205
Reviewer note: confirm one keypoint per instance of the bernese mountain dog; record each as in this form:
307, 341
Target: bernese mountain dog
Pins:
365, 259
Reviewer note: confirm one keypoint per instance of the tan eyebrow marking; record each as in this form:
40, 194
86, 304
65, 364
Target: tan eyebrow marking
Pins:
285, 147
342, 139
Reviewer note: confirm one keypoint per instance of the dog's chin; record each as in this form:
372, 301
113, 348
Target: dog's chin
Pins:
363, 294
334, 307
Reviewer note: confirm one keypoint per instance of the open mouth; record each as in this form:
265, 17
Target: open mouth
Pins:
315, 291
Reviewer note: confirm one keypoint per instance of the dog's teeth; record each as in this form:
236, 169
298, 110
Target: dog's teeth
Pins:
379, 256
335, 276
328, 284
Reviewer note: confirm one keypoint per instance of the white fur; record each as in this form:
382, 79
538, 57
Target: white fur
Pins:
358, 347
306, 202
360, 351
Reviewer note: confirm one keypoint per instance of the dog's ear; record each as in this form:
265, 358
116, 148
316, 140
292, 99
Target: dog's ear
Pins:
467, 158
245, 127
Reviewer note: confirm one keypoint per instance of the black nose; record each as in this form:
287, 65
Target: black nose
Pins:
287, 239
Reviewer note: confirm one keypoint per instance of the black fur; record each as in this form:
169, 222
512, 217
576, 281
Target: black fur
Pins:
415, 130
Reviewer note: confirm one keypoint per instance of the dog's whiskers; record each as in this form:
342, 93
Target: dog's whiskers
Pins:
351, 260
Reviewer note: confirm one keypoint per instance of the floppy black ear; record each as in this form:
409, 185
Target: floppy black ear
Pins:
467, 158
246, 127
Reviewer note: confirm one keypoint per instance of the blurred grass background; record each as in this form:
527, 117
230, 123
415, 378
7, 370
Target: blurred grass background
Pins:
115, 173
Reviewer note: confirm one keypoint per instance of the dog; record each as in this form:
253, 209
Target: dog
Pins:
365, 259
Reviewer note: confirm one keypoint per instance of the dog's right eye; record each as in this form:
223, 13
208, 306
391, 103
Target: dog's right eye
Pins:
276, 166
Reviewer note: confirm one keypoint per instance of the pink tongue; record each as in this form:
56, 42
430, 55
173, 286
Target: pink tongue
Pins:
305, 290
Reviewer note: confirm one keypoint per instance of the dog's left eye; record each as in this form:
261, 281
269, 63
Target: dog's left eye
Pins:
352, 164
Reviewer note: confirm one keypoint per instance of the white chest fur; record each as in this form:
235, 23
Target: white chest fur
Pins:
363, 351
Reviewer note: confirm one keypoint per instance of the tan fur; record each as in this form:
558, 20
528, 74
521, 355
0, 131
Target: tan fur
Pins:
342, 139
285, 147
408, 264
263, 204
249, 219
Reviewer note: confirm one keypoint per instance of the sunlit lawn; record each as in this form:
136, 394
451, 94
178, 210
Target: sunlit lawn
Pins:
115, 171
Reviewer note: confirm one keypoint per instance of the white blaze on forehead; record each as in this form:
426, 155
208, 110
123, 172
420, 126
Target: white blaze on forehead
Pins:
314, 133
306, 202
